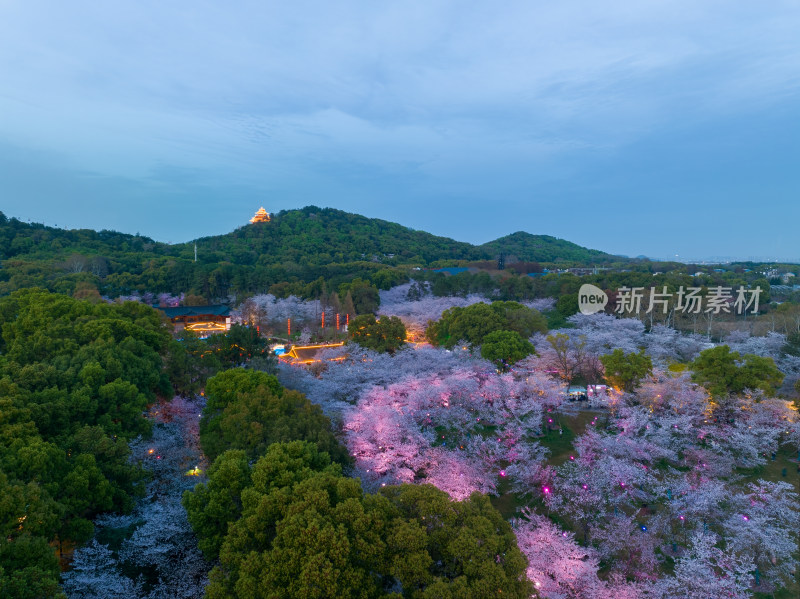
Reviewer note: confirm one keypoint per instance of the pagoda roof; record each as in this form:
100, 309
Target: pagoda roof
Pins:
262, 216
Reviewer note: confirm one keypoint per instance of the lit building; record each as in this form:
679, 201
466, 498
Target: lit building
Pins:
262, 216
307, 354
203, 320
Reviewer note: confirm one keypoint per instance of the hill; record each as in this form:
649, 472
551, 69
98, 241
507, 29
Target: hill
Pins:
327, 236
544, 248
299, 251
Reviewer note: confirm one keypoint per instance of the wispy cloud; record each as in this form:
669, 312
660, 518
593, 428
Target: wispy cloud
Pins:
442, 101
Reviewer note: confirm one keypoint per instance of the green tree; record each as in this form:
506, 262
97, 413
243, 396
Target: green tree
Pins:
792, 346
567, 305
470, 324
239, 345
190, 362
387, 334
249, 410
521, 319
364, 296
626, 371
473, 323
505, 348
723, 371
305, 531
211, 506
469, 549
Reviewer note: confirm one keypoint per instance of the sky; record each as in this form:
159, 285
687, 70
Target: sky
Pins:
660, 128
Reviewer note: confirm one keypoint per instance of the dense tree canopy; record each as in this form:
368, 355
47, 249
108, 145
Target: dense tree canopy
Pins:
473, 323
292, 525
723, 371
626, 371
250, 410
75, 378
387, 334
505, 348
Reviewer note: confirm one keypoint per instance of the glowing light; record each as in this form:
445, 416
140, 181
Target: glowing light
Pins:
546, 490
150, 451
502, 473
572, 457
261, 216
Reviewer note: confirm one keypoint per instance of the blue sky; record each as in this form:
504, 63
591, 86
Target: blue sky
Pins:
653, 127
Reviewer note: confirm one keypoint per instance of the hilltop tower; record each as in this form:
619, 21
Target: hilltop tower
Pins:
262, 216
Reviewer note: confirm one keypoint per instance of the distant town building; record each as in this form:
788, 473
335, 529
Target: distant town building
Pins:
582, 272
262, 216
202, 320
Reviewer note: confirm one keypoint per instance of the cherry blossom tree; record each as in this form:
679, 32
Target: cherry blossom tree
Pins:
165, 547
358, 370
159, 547
657, 477
605, 333
706, 571
558, 567
665, 344
416, 314
95, 574
275, 311
461, 431
762, 524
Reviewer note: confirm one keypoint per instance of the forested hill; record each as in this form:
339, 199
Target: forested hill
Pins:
326, 235
311, 234
297, 246
543, 248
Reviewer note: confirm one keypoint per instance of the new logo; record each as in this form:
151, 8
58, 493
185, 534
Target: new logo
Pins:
591, 299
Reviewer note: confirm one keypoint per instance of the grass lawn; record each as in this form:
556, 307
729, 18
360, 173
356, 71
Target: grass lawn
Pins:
572, 425
560, 446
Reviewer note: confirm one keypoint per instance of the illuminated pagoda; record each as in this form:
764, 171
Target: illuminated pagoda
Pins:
262, 216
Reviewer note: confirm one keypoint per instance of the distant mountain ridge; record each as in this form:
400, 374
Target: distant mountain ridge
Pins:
337, 236
543, 248
329, 234
297, 247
